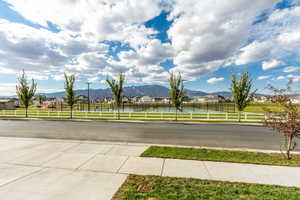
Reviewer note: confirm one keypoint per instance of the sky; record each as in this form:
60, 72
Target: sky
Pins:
206, 41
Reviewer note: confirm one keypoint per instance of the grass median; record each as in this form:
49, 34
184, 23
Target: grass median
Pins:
166, 188
221, 156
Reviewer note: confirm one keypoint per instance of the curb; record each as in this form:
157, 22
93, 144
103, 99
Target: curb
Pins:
145, 144
134, 121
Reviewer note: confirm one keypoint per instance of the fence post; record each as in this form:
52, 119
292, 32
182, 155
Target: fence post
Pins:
145, 115
208, 115
227, 116
161, 115
191, 115
245, 116
48, 113
129, 115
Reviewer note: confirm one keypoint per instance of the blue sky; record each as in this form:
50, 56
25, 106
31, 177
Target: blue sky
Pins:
203, 40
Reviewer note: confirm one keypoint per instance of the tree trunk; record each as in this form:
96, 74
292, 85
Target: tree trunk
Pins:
176, 114
26, 111
289, 147
239, 116
71, 113
118, 112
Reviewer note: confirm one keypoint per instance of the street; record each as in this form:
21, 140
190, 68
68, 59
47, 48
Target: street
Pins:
211, 135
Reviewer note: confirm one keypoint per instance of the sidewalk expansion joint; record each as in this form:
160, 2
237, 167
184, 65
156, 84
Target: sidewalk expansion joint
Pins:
162, 167
118, 171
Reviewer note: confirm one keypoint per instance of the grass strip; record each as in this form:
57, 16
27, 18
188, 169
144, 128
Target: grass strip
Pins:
221, 156
166, 188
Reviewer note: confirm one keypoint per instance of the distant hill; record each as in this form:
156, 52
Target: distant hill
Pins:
132, 91
223, 93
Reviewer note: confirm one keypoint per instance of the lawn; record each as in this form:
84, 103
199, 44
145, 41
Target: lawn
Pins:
260, 107
167, 188
221, 156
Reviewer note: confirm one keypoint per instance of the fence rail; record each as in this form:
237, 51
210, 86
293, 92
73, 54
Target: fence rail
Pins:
191, 116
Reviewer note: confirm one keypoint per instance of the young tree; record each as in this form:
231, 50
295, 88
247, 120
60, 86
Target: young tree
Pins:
241, 92
69, 91
24, 92
117, 91
176, 91
285, 121
40, 98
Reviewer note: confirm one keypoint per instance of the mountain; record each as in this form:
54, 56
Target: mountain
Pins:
223, 93
195, 93
132, 91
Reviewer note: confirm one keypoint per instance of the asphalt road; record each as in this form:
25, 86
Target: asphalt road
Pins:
222, 135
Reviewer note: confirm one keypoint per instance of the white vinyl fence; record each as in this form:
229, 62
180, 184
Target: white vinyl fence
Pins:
192, 116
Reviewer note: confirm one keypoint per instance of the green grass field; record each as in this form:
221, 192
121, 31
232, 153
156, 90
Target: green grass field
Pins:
221, 156
166, 188
260, 107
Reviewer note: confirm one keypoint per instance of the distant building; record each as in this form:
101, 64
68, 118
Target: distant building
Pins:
36, 103
166, 100
82, 99
7, 104
126, 100
296, 100
261, 99
53, 103
146, 99
208, 99
163, 100
108, 100
187, 99
135, 99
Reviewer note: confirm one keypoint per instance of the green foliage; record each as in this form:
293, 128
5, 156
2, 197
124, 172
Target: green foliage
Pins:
116, 87
168, 188
69, 91
176, 91
241, 91
24, 92
221, 156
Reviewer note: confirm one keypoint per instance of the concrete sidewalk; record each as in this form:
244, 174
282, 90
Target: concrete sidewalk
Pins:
39, 169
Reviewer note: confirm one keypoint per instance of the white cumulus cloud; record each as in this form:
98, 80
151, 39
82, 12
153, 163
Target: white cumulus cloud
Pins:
266, 65
264, 77
294, 78
206, 33
291, 69
280, 78
214, 80
203, 37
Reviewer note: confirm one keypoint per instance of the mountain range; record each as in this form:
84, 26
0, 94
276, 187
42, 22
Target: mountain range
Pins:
132, 91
